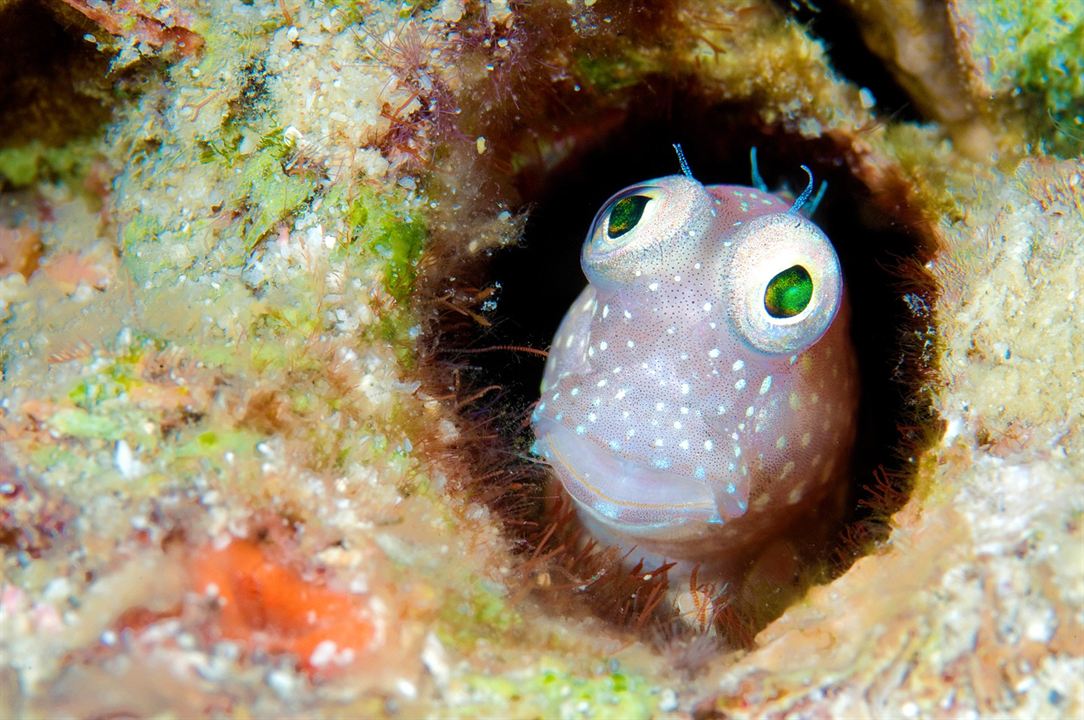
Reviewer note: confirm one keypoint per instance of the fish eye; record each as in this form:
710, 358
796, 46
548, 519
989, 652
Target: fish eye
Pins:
625, 214
626, 217
785, 283
788, 293
642, 230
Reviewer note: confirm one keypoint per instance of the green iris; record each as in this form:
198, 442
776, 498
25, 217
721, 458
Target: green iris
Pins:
625, 214
788, 293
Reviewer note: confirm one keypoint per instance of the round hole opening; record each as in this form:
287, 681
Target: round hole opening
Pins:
881, 245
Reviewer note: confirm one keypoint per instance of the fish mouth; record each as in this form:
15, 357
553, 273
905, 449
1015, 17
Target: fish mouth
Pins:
621, 493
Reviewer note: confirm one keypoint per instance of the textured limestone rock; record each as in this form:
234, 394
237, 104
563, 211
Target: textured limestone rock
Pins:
220, 343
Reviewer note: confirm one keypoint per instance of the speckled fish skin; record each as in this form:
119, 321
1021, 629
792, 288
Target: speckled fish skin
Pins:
682, 417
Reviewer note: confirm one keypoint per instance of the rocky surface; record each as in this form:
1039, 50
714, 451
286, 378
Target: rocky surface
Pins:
231, 486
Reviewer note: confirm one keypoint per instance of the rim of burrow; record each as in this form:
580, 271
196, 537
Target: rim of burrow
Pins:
485, 310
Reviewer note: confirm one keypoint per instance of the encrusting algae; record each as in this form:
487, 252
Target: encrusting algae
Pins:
252, 460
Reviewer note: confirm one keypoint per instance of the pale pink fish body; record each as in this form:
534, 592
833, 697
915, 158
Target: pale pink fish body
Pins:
690, 406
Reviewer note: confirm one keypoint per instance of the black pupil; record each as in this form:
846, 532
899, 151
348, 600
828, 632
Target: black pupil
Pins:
625, 214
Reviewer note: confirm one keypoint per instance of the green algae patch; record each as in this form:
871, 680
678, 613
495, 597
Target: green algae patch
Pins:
553, 691
78, 423
608, 73
1032, 53
144, 249
480, 611
53, 455
23, 165
214, 444
385, 225
398, 327
104, 411
269, 194
254, 150
115, 379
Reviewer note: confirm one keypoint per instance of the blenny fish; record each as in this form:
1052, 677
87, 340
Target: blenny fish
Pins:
699, 397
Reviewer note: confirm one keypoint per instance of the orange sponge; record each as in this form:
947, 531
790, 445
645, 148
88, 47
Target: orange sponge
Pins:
265, 604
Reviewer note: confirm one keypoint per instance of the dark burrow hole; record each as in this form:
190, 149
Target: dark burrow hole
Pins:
876, 237
39, 61
56, 88
527, 289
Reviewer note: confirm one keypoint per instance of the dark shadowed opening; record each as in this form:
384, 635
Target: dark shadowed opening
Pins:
877, 247
52, 81
880, 241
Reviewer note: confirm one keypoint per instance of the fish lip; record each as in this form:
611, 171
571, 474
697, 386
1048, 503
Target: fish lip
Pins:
621, 505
